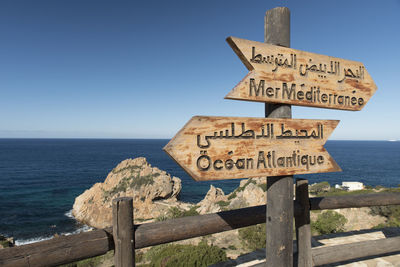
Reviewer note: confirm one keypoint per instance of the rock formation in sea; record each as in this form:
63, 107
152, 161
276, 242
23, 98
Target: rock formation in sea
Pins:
6, 242
154, 193
155, 196
251, 192
134, 178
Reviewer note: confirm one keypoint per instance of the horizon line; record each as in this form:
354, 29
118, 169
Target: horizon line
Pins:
141, 138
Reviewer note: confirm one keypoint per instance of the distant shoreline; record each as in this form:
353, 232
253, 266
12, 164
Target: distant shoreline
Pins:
152, 139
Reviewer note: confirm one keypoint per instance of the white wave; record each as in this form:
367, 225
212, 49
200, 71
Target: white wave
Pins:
69, 214
19, 242
84, 228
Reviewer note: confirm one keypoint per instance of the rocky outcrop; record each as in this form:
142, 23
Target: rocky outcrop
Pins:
357, 218
155, 194
135, 178
251, 192
6, 242
210, 202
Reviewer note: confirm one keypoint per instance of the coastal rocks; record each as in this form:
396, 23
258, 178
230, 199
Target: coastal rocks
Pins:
6, 242
251, 192
210, 202
134, 178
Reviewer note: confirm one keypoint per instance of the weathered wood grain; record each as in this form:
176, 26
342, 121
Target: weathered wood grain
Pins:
123, 233
302, 222
59, 250
279, 245
183, 228
279, 224
212, 148
354, 201
338, 253
284, 75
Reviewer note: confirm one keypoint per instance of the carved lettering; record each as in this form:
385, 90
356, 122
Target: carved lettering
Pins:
257, 89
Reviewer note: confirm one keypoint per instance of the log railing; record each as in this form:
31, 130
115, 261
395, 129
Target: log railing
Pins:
67, 249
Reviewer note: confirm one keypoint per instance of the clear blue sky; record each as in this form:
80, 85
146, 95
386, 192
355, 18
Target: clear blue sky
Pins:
142, 69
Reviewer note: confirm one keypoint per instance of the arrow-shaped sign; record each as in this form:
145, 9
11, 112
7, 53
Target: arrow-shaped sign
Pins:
284, 75
214, 148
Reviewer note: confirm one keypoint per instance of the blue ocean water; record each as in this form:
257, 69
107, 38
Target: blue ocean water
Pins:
40, 178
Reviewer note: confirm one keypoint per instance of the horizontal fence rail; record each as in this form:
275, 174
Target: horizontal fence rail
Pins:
354, 201
66, 249
356, 250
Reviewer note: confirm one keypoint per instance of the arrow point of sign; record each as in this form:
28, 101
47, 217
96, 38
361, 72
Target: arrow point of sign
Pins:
329, 128
233, 41
235, 93
334, 167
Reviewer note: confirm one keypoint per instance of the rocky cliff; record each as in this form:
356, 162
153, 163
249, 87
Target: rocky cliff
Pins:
135, 178
251, 192
154, 193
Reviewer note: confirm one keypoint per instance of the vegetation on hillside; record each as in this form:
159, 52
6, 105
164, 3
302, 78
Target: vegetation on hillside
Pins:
133, 181
240, 189
328, 222
175, 255
175, 212
253, 237
391, 213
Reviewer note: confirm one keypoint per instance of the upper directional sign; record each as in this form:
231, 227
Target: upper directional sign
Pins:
214, 148
284, 75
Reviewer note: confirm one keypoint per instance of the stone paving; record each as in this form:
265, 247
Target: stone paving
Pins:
257, 258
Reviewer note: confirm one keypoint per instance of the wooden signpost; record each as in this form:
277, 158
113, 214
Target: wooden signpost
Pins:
284, 75
214, 148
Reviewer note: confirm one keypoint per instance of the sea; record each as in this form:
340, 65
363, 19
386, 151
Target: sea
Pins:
40, 178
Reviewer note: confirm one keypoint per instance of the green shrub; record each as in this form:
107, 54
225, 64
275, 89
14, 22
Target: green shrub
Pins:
131, 168
185, 255
241, 188
263, 187
319, 187
253, 237
329, 222
128, 182
232, 195
138, 181
223, 204
389, 223
392, 190
391, 213
5, 242
139, 256
341, 192
162, 218
175, 212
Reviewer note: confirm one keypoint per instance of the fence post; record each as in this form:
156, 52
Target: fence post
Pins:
279, 243
303, 230
123, 233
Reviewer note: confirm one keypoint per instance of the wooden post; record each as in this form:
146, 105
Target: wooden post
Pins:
124, 253
303, 230
279, 243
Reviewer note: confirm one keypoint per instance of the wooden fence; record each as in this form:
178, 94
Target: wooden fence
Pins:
125, 236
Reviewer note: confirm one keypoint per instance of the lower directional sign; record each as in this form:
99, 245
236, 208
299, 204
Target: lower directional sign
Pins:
215, 148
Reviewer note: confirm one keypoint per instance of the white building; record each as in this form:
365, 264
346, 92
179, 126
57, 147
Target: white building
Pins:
351, 186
